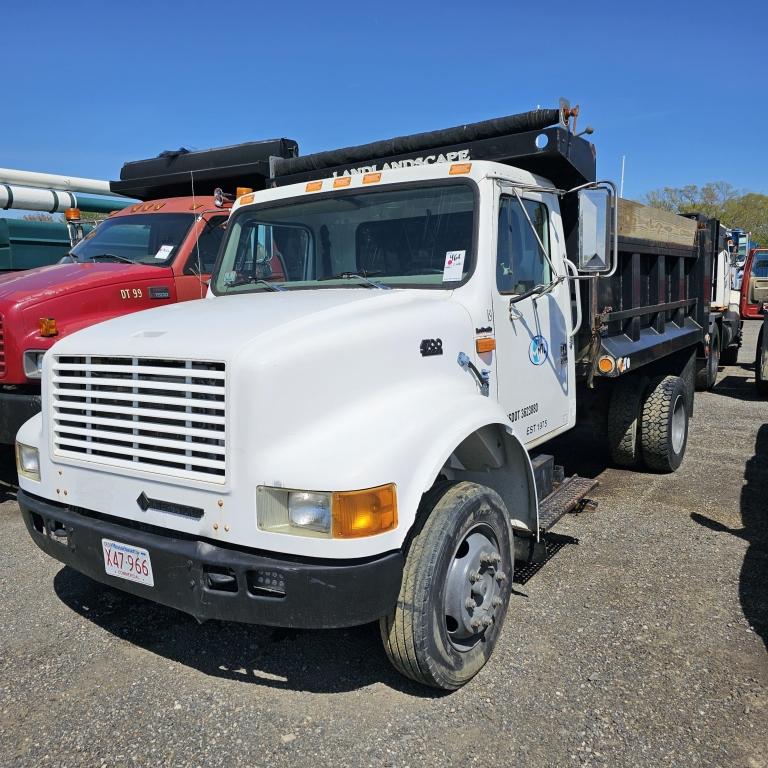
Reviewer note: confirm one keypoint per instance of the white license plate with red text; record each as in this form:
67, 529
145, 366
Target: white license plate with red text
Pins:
127, 562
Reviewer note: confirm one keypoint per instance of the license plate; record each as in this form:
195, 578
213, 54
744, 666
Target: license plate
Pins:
127, 562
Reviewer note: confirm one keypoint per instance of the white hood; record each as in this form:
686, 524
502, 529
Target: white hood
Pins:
216, 328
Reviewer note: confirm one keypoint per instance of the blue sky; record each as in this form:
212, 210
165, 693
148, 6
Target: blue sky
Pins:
680, 89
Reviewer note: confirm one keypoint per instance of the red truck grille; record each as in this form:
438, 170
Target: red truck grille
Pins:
162, 416
2, 347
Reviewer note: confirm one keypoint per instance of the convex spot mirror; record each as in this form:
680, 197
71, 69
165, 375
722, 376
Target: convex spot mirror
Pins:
594, 229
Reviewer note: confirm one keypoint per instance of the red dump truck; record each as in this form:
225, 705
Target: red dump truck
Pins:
156, 252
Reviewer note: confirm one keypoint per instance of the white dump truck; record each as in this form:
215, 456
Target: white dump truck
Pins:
350, 427
724, 330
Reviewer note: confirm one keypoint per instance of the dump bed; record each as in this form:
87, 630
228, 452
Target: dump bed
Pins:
657, 301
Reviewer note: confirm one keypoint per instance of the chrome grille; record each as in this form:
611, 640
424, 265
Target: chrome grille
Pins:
164, 416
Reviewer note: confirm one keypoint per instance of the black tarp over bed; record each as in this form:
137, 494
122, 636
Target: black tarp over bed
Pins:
171, 174
527, 140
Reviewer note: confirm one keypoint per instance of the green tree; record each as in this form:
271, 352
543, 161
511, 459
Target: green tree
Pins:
719, 199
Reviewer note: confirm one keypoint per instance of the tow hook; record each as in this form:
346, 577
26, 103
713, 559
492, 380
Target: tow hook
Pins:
483, 377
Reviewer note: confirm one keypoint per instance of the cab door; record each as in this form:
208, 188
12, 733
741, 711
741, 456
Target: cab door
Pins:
757, 287
192, 274
534, 358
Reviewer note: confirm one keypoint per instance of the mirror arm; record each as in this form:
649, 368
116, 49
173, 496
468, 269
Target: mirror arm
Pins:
615, 208
535, 233
571, 267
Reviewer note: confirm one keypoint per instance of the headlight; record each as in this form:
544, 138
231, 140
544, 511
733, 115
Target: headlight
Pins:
341, 515
33, 363
309, 510
28, 461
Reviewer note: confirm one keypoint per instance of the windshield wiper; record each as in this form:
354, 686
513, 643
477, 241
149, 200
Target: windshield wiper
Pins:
357, 276
112, 257
256, 281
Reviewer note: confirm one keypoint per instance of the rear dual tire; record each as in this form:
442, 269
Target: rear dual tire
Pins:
664, 424
648, 422
706, 378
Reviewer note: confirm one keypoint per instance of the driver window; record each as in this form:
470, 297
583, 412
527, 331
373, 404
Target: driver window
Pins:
520, 264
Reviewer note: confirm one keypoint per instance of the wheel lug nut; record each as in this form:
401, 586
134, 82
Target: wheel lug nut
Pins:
470, 604
487, 621
476, 624
474, 576
496, 602
501, 576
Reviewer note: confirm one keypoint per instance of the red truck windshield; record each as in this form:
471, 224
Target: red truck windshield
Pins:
146, 238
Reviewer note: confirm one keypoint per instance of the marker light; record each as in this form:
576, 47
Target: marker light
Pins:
47, 326
342, 181
72, 214
606, 364
246, 199
364, 513
313, 186
486, 344
371, 178
28, 461
460, 168
240, 191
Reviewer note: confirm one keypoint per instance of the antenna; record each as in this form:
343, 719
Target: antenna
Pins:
199, 235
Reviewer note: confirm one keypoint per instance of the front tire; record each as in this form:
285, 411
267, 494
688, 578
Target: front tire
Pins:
456, 586
664, 424
761, 356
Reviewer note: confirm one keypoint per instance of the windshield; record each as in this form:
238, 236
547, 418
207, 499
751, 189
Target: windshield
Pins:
414, 237
760, 267
146, 238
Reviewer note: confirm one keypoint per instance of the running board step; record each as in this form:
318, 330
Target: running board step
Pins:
569, 495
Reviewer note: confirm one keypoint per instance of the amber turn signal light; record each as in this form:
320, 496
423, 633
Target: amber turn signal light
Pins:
486, 344
48, 326
245, 199
364, 513
313, 186
342, 181
460, 168
606, 364
72, 214
240, 191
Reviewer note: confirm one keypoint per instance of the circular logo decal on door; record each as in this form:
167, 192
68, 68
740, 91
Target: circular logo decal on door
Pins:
538, 350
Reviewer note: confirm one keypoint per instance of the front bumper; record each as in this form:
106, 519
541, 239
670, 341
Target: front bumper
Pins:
210, 581
15, 409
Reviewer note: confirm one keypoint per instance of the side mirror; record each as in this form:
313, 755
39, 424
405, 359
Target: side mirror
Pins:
594, 229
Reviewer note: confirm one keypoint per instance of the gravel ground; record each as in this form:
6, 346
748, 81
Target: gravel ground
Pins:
642, 641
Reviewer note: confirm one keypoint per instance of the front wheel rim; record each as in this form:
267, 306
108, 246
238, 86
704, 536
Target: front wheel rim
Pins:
473, 589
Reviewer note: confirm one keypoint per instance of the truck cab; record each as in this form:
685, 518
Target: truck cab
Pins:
754, 285
348, 428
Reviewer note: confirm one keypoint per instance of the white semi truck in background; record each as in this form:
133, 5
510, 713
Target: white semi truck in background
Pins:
352, 426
